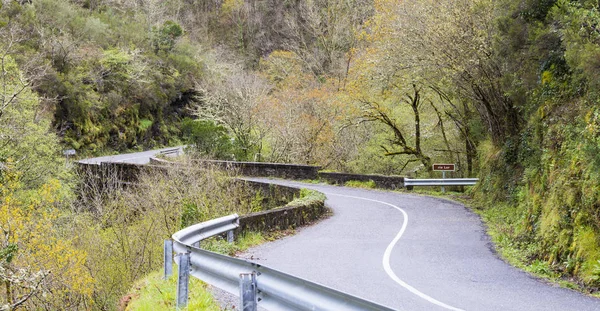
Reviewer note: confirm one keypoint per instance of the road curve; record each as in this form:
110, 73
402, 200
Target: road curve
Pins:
410, 253
133, 158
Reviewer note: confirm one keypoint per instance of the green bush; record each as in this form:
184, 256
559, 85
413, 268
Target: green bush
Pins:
207, 138
125, 227
361, 184
154, 293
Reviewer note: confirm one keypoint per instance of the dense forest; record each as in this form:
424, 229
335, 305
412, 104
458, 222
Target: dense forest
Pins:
508, 90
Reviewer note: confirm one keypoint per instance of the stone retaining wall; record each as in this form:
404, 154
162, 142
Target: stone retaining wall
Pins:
97, 178
261, 169
292, 216
381, 181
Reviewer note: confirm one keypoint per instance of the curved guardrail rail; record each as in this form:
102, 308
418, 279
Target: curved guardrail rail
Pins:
275, 290
441, 182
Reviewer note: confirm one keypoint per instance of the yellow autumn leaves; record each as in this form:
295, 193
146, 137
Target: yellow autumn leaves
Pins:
45, 266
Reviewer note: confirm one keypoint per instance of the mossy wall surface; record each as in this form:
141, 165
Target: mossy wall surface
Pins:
548, 201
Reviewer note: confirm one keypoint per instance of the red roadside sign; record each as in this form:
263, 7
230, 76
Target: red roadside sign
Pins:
444, 167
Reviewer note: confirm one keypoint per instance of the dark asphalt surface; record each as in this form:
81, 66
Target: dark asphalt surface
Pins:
442, 261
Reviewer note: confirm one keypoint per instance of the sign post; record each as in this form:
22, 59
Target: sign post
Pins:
444, 168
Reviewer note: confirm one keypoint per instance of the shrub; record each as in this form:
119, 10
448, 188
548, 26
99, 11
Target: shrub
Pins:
124, 225
207, 138
40, 267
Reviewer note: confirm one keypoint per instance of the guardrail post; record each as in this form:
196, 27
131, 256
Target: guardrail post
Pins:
230, 236
249, 299
183, 280
443, 177
168, 251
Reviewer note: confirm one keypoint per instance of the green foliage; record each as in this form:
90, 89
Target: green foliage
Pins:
7, 254
115, 69
190, 214
124, 227
207, 138
540, 268
548, 174
101, 69
257, 202
537, 9
242, 243
40, 267
165, 36
307, 196
372, 159
361, 184
26, 139
154, 293
145, 124
596, 272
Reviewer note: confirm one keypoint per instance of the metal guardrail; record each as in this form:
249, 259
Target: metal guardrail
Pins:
175, 151
441, 182
272, 289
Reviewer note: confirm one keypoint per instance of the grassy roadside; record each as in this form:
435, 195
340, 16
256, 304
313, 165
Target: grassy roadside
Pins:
499, 220
351, 183
152, 293
361, 184
307, 196
242, 243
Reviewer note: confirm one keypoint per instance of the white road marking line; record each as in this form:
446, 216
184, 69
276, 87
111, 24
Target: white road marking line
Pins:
388, 253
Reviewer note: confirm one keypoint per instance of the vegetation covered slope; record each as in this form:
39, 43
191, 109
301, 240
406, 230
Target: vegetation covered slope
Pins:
111, 77
506, 89
548, 171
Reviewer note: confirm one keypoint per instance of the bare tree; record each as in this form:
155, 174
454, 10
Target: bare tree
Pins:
400, 145
323, 34
237, 101
461, 115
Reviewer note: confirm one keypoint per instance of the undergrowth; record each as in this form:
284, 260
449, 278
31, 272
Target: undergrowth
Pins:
542, 208
153, 293
243, 242
361, 184
308, 196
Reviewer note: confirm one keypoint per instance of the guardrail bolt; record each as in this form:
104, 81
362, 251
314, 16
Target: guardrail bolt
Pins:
183, 280
168, 251
230, 236
248, 290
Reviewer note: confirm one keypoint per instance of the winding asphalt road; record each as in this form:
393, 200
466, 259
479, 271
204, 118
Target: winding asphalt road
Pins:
404, 251
409, 252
